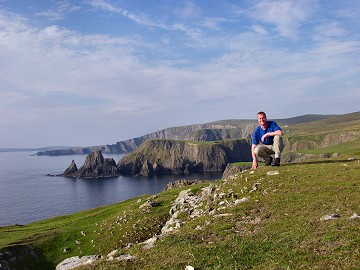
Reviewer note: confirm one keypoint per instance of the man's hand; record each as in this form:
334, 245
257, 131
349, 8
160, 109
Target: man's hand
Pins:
255, 164
264, 137
275, 133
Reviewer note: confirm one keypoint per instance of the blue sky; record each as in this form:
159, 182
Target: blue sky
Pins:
92, 72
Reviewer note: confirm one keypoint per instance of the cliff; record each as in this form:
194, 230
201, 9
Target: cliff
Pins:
212, 131
157, 157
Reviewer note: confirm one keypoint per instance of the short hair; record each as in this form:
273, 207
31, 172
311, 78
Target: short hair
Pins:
262, 113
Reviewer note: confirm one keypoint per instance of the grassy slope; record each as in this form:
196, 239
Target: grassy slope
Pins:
346, 122
341, 132
279, 227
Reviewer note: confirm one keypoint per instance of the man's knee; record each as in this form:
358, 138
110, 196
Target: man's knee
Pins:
278, 142
256, 150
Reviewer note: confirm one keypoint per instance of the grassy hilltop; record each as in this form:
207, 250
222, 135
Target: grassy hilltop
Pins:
272, 218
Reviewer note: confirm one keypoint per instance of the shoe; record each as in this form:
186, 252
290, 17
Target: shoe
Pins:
268, 163
276, 162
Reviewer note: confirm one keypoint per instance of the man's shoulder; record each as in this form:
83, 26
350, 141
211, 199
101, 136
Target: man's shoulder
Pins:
273, 124
257, 129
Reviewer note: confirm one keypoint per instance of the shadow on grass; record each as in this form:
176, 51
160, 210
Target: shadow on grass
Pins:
24, 257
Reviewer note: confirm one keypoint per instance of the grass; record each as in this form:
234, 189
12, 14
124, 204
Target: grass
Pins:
279, 226
278, 229
352, 147
97, 230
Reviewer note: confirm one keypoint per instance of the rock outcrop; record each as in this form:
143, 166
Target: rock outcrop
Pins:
95, 166
233, 169
161, 157
183, 183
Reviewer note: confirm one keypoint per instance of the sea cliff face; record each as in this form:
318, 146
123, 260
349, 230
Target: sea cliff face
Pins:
156, 157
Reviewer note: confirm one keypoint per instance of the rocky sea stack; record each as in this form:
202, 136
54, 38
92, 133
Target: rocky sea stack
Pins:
95, 166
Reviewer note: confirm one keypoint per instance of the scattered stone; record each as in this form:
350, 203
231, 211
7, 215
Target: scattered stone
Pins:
255, 187
78, 242
83, 233
223, 215
111, 255
330, 217
251, 172
272, 173
183, 183
149, 203
354, 216
73, 262
189, 267
150, 242
244, 199
265, 191
125, 257
351, 159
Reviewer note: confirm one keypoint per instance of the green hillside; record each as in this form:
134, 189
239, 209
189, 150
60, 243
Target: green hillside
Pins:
278, 227
271, 218
332, 135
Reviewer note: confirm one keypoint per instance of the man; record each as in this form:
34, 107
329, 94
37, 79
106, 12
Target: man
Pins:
266, 142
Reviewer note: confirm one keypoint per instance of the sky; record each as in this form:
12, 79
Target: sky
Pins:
94, 72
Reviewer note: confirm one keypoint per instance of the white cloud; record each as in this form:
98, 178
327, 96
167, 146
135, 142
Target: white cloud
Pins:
286, 15
213, 22
329, 30
53, 77
189, 11
59, 11
139, 19
260, 29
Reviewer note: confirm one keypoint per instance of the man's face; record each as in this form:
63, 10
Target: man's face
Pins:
261, 119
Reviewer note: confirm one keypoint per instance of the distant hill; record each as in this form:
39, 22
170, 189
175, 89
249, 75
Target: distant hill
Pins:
42, 149
212, 131
325, 137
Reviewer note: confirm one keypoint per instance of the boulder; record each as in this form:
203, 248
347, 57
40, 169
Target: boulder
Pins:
183, 183
232, 169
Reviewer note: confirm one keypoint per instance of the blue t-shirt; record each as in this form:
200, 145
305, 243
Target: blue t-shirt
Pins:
259, 132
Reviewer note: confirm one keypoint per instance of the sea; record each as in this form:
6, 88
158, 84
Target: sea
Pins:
27, 194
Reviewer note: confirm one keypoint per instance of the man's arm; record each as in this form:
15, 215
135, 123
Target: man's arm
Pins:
274, 133
255, 164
